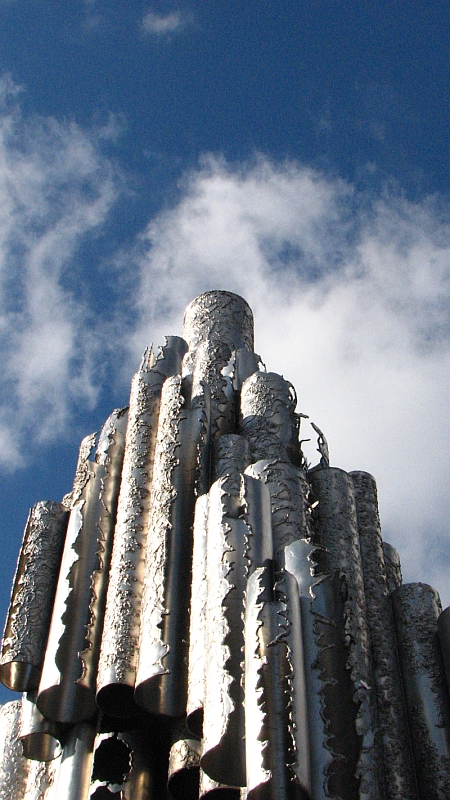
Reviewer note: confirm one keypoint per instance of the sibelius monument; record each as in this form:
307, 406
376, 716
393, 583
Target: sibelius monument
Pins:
207, 616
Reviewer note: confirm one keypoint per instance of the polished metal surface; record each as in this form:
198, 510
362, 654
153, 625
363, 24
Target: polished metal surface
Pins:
233, 610
67, 688
238, 541
28, 620
74, 774
14, 767
416, 611
41, 738
180, 473
118, 657
399, 778
197, 622
336, 530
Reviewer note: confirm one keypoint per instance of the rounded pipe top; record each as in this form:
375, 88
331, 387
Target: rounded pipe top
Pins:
219, 316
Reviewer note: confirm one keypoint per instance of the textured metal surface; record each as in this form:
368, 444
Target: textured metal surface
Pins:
67, 687
118, 657
41, 783
216, 325
197, 625
180, 474
74, 774
242, 629
33, 593
41, 738
289, 492
444, 639
399, 778
416, 611
392, 566
336, 530
14, 767
184, 769
238, 541
276, 728
268, 418
232, 454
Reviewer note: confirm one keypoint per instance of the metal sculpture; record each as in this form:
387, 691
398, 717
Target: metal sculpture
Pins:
220, 620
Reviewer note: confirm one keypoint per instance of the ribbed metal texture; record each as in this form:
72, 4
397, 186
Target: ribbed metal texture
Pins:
220, 620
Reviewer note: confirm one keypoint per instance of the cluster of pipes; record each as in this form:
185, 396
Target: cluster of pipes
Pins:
206, 615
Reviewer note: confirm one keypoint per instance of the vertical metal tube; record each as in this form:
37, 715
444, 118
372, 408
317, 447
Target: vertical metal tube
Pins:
216, 325
276, 732
181, 472
416, 611
67, 687
40, 737
184, 769
14, 767
268, 418
392, 566
42, 776
238, 541
118, 656
30, 611
399, 775
74, 773
336, 531
197, 625
444, 639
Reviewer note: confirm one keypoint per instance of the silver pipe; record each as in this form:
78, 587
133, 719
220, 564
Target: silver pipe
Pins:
42, 777
118, 656
276, 730
181, 472
197, 625
392, 566
444, 639
184, 769
74, 773
336, 531
67, 688
216, 325
33, 593
268, 418
238, 541
416, 611
14, 767
41, 738
398, 766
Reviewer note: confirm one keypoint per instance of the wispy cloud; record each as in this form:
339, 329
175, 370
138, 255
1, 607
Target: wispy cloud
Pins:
164, 24
55, 190
351, 296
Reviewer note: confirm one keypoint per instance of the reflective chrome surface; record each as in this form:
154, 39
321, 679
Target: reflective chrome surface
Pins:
227, 621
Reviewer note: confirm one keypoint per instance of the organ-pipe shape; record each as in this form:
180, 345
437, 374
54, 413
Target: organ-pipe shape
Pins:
416, 611
238, 541
41, 738
398, 767
118, 658
232, 610
180, 473
336, 530
29, 615
392, 566
14, 767
67, 687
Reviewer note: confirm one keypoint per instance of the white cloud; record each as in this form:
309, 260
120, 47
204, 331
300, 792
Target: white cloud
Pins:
163, 24
55, 188
351, 297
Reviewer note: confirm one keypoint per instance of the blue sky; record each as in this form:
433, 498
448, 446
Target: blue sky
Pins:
296, 153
